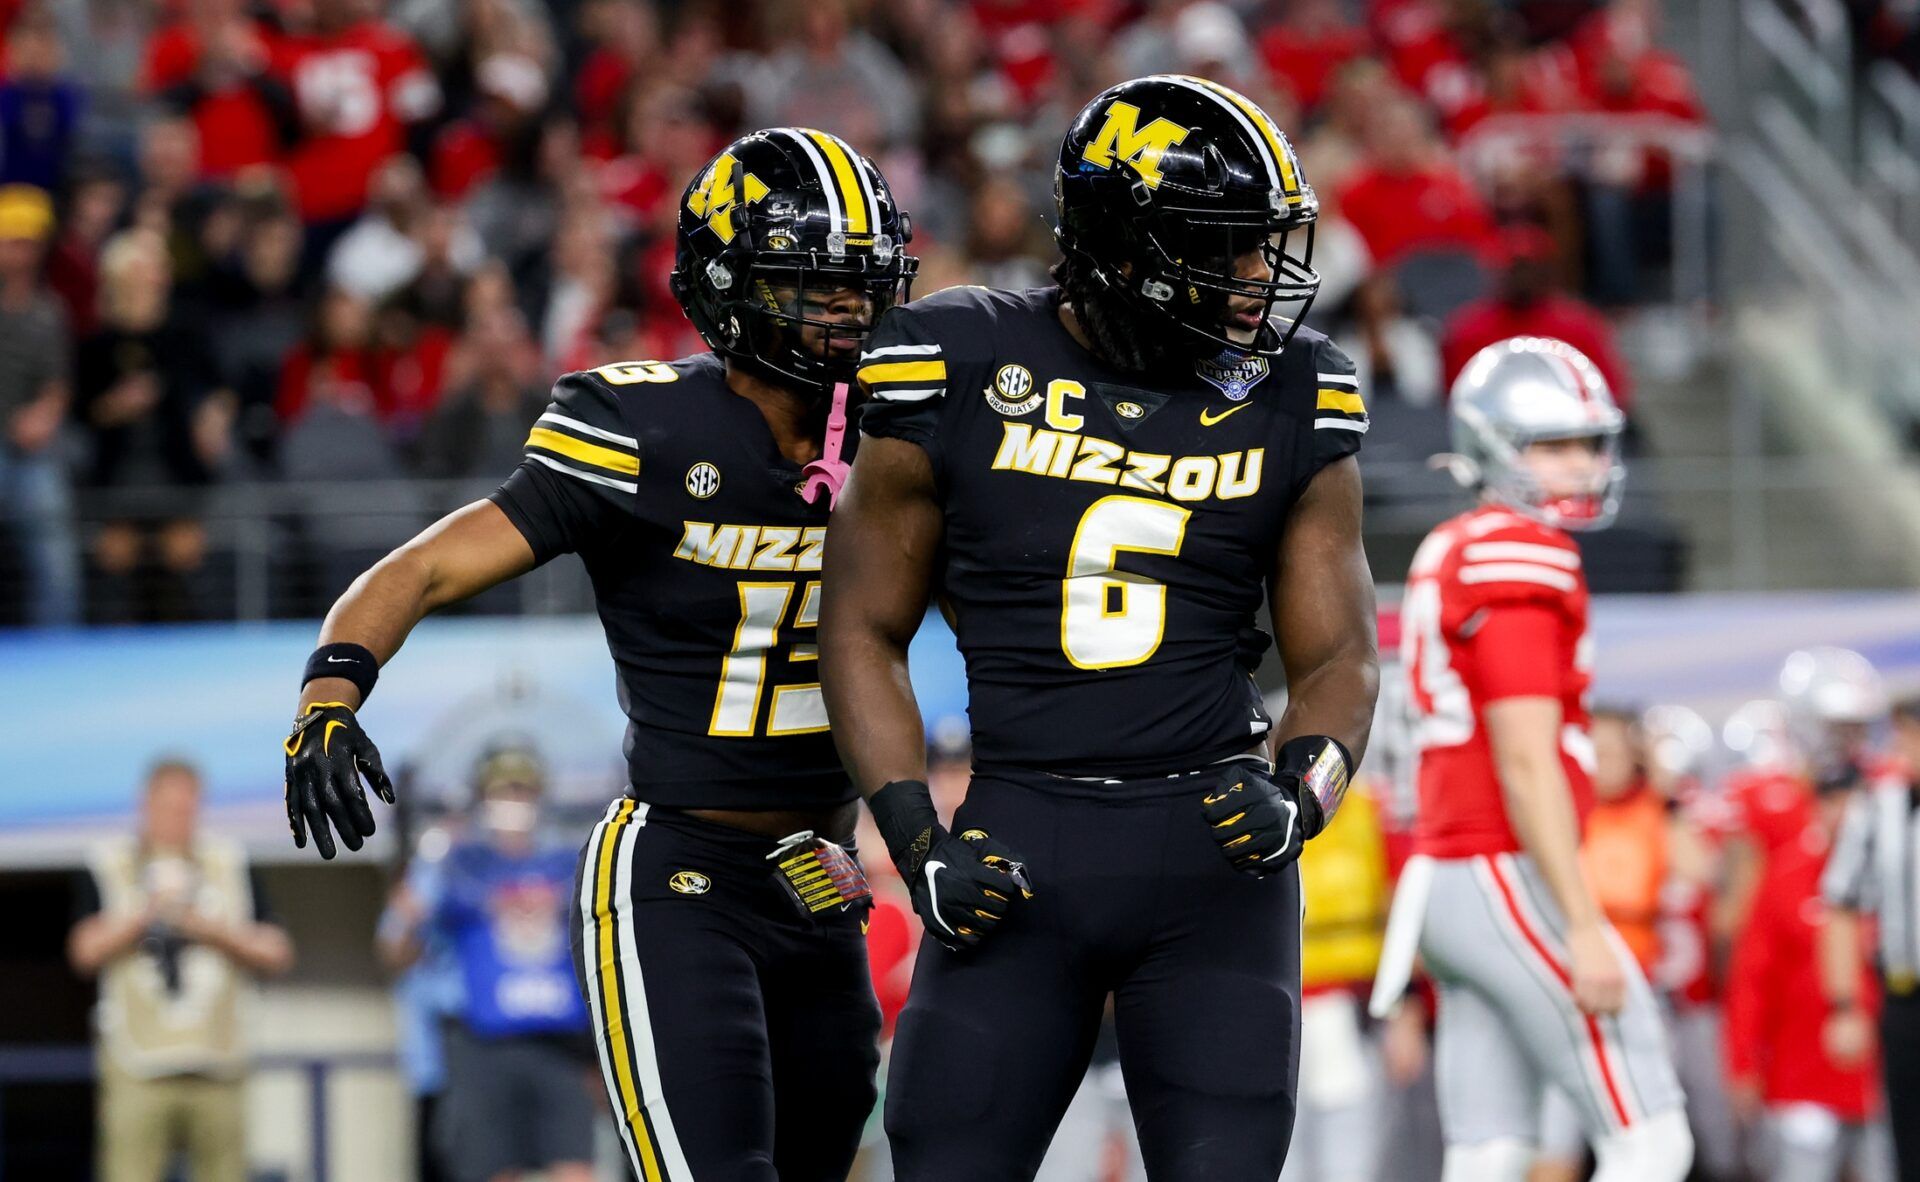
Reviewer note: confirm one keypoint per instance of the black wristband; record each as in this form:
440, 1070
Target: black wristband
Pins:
353, 662
903, 812
1323, 766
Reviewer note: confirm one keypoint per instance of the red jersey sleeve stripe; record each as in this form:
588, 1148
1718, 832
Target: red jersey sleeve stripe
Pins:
1517, 572
1521, 552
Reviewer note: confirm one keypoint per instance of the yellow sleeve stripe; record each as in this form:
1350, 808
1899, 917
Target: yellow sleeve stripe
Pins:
904, 371
852, 201
586, 453
1345, 401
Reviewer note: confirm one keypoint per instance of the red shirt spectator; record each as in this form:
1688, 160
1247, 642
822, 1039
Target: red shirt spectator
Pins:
1407, 196
216, 74
358, 87
1776, 1008
1527, 306
1309, 46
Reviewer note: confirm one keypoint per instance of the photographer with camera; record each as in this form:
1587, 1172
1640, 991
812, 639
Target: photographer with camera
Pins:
174, 929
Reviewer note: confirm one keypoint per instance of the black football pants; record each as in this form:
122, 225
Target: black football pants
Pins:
737, 1033
1900, 1060
1132, 899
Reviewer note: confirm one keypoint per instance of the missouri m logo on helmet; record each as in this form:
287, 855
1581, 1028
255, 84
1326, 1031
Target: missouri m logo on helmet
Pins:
1179, 199
790, 246
1122, 138
721, 187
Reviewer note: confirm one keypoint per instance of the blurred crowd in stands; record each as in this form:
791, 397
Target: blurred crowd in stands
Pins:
352, 240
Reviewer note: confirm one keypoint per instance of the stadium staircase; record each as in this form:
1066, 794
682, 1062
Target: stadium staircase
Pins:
1795, 400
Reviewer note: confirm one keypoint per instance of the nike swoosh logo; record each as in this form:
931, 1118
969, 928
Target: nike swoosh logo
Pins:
1208, 418
326, 737
933, 894
1293, 818
339, 660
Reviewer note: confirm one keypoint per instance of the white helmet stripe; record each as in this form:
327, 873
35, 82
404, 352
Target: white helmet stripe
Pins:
828, 184
1229, 106
866, 183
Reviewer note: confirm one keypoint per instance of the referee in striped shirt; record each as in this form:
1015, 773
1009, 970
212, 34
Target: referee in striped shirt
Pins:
1875, 869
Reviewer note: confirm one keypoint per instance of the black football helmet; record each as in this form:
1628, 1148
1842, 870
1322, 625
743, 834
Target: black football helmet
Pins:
769, 229
1164, 182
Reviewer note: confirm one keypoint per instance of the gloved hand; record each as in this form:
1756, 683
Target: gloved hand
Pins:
327, 753
962, 887
1261, 819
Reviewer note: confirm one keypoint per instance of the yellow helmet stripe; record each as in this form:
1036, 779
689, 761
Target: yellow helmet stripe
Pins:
835, 209
851, 198
1282, 155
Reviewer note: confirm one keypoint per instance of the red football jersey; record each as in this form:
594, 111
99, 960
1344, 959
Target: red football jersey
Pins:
357, 90
1495, 607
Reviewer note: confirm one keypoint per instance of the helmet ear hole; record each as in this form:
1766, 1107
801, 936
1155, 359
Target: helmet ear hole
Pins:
1213, 168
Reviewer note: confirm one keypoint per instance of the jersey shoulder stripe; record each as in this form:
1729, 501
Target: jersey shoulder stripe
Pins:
584, 432
1338, 404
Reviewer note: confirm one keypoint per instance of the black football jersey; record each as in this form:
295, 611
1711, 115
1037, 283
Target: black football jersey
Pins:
706, 570
1107, 543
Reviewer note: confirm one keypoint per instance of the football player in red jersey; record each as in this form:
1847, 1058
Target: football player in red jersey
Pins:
358, 82
1535, 988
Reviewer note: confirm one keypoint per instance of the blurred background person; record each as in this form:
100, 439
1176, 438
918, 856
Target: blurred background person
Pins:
1343, 874
1800, 1075
1879, 851
518, 1055
1679, 749
35, 486
175, 928
156, 416
428, 992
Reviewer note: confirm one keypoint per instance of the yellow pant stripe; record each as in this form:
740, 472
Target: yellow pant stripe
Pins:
631, 1106
587, 453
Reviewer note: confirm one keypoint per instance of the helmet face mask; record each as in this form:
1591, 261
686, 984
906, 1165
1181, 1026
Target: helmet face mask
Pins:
808, 323
1183, 202
1196, 277
790, 247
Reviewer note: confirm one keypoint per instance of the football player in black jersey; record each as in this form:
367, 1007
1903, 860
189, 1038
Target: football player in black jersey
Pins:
719, 929
1102, 481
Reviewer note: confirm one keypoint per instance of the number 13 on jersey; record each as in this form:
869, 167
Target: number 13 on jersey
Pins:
797, 708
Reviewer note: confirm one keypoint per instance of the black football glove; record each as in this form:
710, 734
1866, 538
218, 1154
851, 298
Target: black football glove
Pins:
1261, 820
327, 753
961, 886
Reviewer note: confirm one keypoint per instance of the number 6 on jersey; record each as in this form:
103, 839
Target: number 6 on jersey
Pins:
1110, 618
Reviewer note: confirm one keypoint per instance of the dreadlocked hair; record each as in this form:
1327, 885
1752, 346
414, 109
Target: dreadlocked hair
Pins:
1124, 335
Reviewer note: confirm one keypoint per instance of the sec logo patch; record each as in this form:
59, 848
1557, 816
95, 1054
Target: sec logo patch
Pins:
703, 480
690, 882
1012, 392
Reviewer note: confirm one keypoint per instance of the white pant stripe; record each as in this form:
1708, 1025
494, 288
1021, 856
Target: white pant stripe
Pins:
590, 962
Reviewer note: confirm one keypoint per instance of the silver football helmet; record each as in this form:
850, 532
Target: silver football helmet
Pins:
1527, 390
1680, 743
1760, 738
1823, 686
